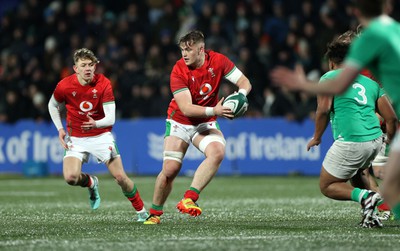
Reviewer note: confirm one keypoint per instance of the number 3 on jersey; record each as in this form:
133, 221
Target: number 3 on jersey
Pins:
363, 100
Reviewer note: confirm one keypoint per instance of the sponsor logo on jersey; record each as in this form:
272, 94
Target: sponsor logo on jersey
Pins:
205, 89
85, 106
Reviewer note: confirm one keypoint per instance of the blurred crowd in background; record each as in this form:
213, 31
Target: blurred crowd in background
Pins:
136, 44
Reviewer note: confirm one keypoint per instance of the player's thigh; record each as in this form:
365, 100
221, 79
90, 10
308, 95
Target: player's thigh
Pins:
379, 171
72, 167
116, 168
326, 179
103, 147
210, 142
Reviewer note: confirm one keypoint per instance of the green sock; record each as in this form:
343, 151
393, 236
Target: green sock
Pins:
396, 211
157, 207
194, 190
358, 194
132, 193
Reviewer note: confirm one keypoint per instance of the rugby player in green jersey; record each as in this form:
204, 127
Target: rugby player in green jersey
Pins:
357, 133
378, 50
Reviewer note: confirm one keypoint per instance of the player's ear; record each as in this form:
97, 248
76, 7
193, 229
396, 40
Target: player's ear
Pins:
75, 68
201, 48
330, 65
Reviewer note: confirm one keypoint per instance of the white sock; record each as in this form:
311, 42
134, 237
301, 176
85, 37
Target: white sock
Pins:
141, 211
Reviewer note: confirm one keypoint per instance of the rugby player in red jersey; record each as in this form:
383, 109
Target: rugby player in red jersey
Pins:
195, 82
89, 101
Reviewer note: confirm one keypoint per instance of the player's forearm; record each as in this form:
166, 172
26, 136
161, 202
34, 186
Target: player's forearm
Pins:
391, 127
334, 86
386, 111
196, 111
330, 87
244, 85
321, 122
109, 116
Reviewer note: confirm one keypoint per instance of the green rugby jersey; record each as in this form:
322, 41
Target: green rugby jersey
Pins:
378, 49
353, 115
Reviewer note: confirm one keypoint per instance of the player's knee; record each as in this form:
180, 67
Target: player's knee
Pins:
120, 179
324, 191
171, 169
324, 188
71, 179
172, 163
217, 153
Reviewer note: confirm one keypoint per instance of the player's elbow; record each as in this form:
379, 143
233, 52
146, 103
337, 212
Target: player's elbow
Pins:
187, 113
112, 122
187, 110
324, 109
392, 122
249, 88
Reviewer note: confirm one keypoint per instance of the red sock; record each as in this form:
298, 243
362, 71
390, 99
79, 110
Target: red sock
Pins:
192, 195
90, 182
155, 212
384, 207
136, 201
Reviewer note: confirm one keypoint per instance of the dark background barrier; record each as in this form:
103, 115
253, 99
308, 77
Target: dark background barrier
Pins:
254, 147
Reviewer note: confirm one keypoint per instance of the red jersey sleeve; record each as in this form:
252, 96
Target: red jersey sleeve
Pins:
178, 79
59, 93
227, 64
108, 91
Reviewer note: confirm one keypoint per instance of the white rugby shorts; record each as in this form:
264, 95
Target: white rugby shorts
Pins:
382, 157
188, 132
102, 147
344, 159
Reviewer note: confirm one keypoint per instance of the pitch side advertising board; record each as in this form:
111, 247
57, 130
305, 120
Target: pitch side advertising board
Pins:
253, 147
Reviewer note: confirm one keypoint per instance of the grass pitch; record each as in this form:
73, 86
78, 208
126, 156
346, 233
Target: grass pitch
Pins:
239, 213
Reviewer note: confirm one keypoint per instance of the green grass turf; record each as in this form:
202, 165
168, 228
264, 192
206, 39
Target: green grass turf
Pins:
239, 213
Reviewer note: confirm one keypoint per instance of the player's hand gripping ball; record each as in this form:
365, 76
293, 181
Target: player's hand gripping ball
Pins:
237, 102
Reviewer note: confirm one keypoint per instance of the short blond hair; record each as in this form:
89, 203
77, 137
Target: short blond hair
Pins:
85, 53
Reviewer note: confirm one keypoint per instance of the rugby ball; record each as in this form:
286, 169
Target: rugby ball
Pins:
237, 102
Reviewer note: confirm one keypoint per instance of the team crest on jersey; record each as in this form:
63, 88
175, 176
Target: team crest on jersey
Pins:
74, 93
85, 106
211, 71
94, 93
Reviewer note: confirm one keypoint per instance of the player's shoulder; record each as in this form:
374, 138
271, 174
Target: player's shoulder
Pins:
379, 27
67, 81
213, 55
366, 80
99, 78
329, 75
180, 64
180, 67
